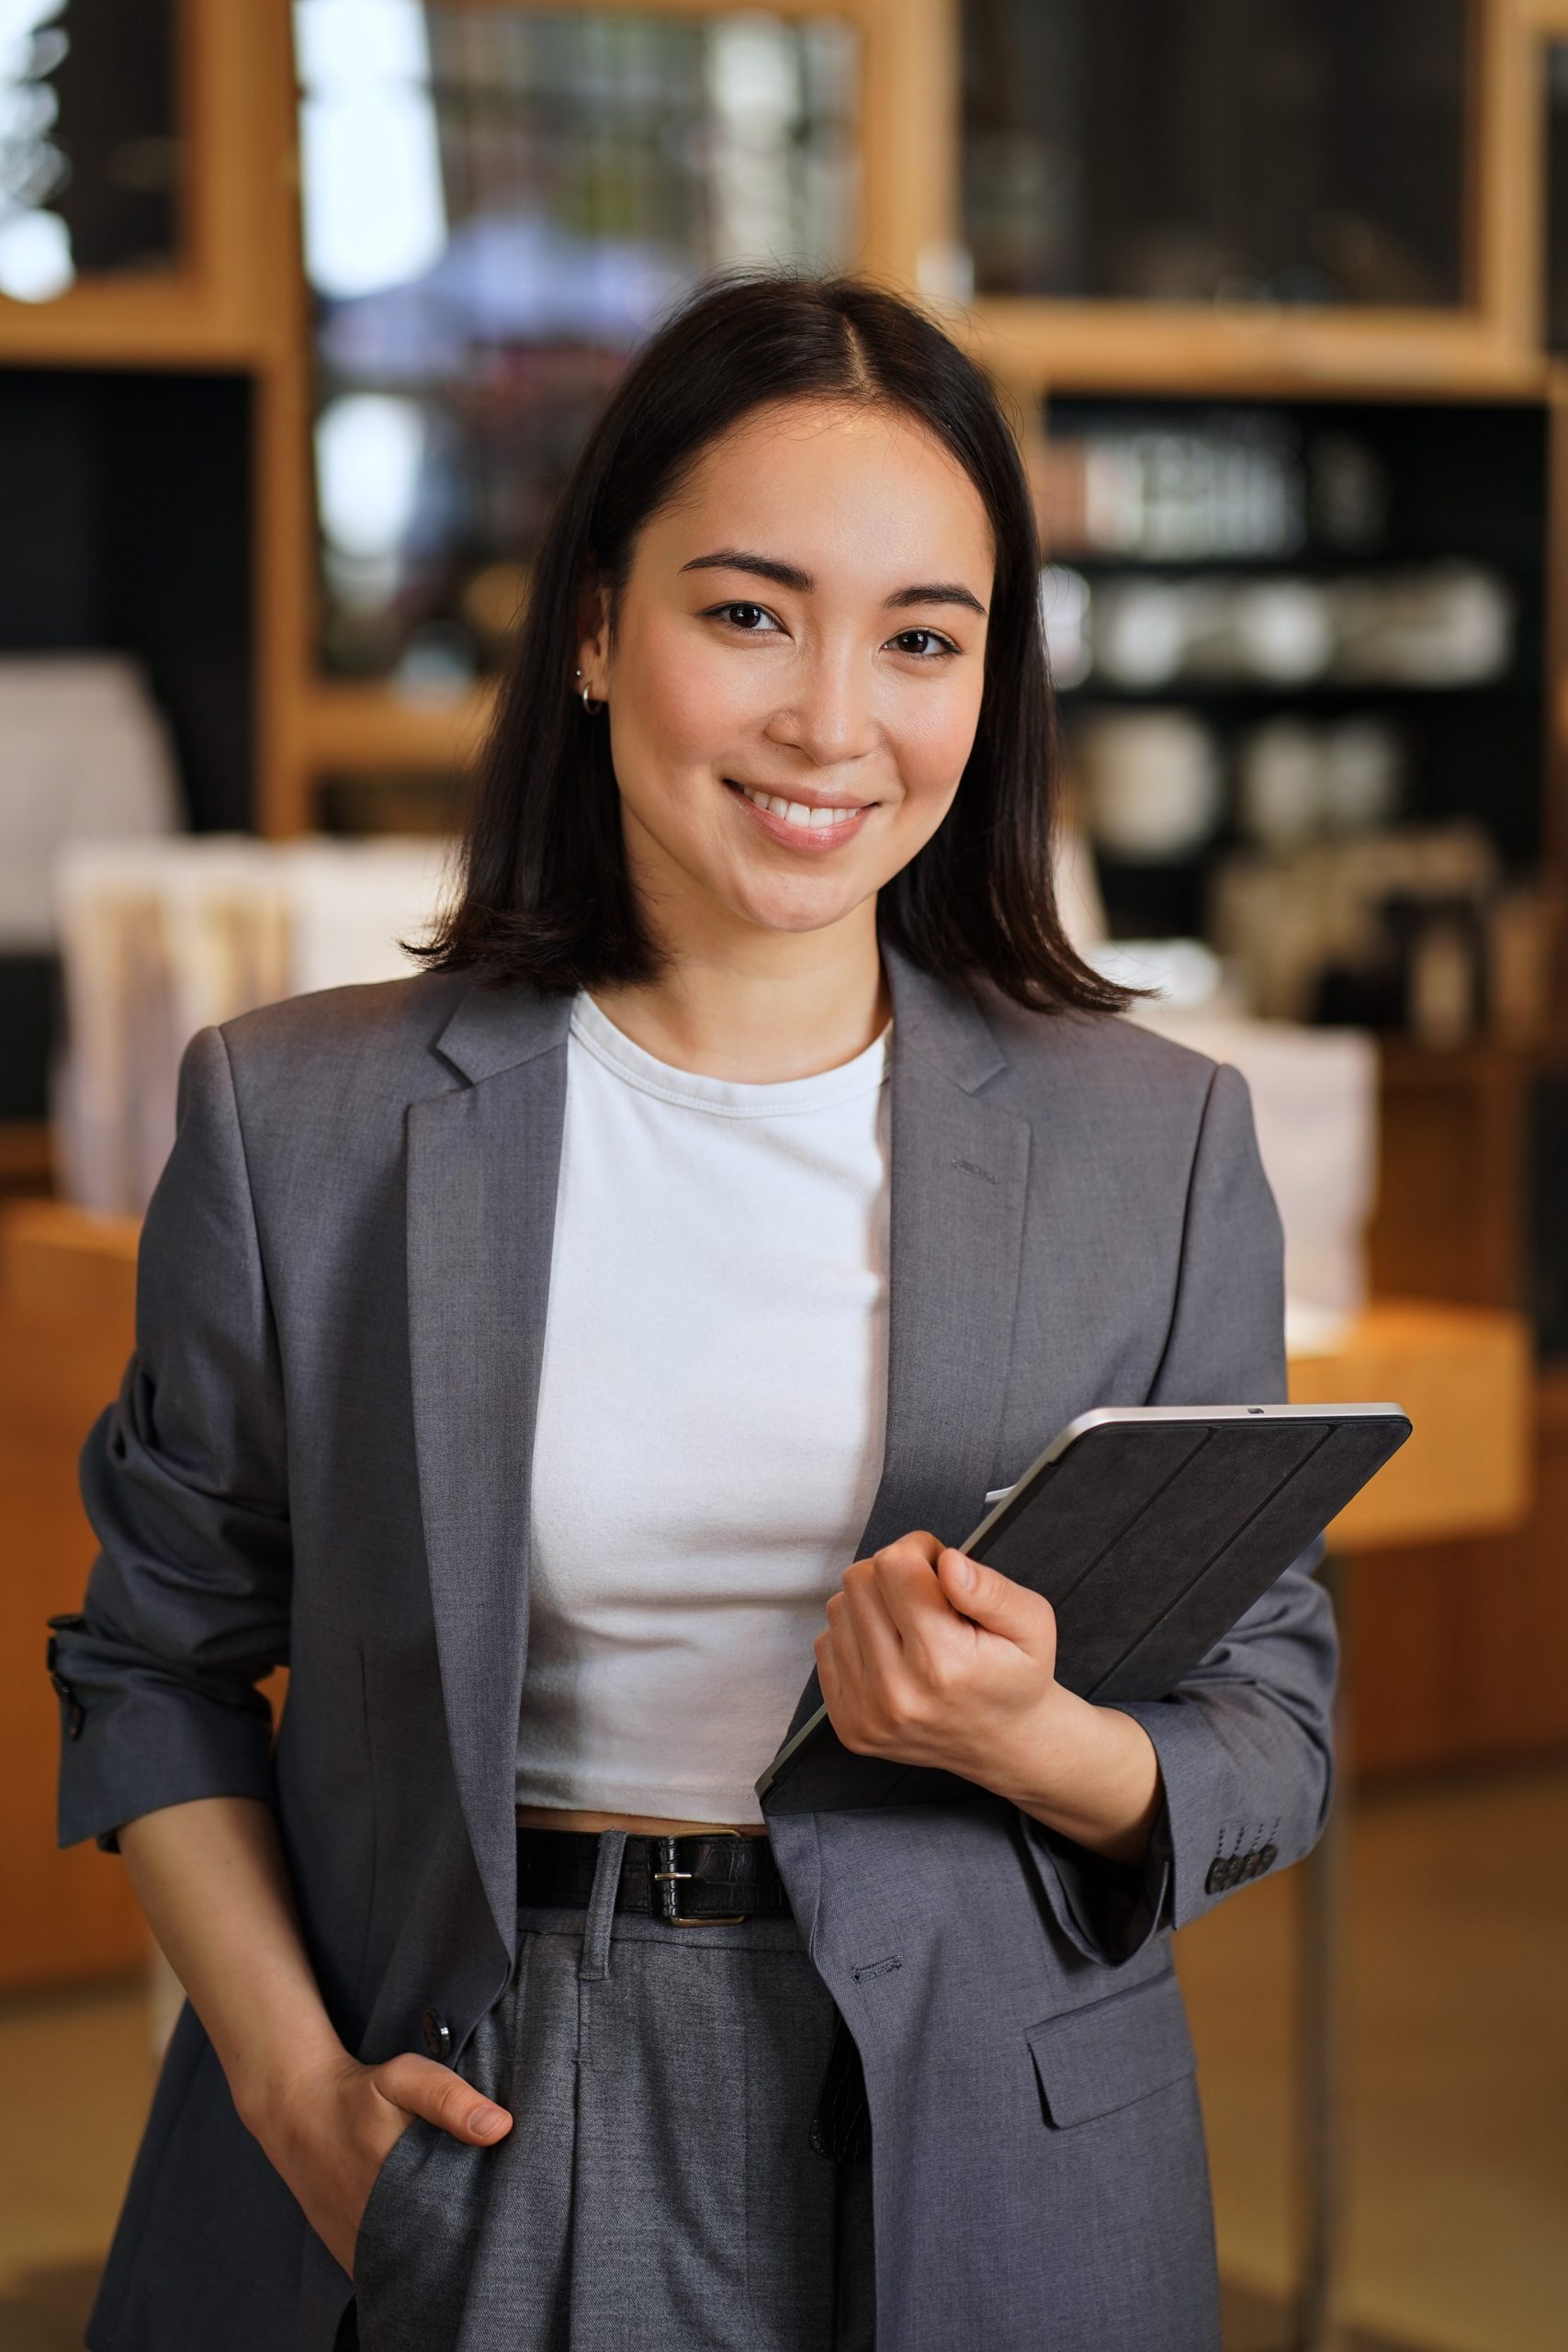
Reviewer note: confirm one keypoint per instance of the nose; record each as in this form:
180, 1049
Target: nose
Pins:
828, 715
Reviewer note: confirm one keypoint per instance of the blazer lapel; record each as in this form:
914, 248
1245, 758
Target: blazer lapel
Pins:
483, 1163
959, 1177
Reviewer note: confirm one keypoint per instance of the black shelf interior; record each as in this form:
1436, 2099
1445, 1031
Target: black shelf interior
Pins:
1465, 481
126, 527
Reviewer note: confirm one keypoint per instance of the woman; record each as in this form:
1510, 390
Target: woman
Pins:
524, 1350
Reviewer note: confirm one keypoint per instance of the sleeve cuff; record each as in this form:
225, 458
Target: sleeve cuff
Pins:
141, 1755
1108, 1910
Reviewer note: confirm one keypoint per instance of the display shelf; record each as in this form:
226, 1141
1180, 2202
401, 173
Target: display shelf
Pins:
216, 304
349, 726
1262, 351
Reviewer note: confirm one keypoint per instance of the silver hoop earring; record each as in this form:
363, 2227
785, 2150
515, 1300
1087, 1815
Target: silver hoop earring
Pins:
589, 704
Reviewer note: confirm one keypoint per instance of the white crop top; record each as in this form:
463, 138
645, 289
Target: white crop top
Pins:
710, 1420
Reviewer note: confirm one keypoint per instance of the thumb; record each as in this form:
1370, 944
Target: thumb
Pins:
441, 2096
997, 1603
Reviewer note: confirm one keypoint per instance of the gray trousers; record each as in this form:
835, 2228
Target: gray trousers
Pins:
657, 2192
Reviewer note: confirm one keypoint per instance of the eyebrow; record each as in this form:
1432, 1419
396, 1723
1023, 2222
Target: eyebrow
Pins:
790, 575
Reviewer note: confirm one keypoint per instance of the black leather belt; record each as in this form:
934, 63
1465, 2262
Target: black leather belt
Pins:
706, 1880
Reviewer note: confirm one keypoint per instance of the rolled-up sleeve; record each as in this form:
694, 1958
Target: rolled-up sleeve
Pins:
1246, 1743
183, 1478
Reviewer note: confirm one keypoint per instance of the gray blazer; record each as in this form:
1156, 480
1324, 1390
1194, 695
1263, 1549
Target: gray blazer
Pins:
320, 1453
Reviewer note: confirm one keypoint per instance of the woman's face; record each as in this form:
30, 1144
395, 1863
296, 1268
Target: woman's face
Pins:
794, 679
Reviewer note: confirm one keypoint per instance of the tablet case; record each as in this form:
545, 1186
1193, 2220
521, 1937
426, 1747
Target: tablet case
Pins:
1150, 1530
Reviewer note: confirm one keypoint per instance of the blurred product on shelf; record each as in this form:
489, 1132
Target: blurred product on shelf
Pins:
1065, 596
1242, 485
1079, 901
1187, 976
1447, 625
1150, 781
1297, 779
1314, 1099
1235, 489
1415, 931
160, 940
85, 751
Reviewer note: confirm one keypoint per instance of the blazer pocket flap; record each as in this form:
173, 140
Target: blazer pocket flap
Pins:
1094, 2060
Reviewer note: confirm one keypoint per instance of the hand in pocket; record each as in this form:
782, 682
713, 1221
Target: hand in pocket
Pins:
335, 2126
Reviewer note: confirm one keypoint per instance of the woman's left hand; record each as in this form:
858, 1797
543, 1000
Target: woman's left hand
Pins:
930, 1658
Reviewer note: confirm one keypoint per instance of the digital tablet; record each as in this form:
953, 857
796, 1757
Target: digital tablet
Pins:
1150, 1528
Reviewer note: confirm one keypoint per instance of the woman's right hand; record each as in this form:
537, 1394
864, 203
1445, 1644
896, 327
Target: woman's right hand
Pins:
330, 2131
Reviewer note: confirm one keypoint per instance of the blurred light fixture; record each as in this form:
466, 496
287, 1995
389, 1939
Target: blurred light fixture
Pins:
1065, 598
36, 263
35, 257
374, 214
369, 454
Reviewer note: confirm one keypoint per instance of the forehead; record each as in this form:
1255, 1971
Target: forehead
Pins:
862, 486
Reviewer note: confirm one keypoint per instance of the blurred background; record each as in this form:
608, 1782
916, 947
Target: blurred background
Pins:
303, 312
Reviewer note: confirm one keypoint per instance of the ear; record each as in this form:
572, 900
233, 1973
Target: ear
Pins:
593, 636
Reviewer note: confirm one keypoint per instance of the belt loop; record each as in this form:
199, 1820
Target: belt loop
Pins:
594, 1964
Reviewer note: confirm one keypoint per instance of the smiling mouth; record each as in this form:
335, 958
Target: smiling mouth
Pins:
810, 816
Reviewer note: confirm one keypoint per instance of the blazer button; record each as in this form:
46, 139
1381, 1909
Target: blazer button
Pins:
1267, 1856
1215, 1881
437, 2035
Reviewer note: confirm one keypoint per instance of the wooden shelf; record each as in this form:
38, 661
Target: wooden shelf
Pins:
1261, 353
349, 727
26, 1156
1463, 1375
224, 303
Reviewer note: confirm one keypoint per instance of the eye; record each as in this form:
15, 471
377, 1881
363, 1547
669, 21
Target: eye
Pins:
746, 617
925, 644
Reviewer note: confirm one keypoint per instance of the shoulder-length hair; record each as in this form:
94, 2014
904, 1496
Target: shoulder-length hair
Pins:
545, 895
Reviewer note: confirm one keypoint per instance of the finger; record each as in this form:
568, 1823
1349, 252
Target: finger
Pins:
999, 1604
828, 1674
441, 2096
922, 1615
843, 1639
877, 1636
920, 1544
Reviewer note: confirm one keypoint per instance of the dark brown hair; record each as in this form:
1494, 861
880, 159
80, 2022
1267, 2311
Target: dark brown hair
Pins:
545, 896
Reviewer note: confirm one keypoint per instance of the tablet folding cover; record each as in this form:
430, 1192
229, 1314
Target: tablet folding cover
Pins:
1150, 1534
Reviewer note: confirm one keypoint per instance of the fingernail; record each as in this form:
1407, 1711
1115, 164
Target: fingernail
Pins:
484, 2119
963, 1570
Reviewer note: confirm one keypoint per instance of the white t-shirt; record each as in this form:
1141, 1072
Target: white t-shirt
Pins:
710, 1422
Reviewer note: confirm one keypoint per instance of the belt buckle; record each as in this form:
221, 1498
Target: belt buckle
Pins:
667, 1898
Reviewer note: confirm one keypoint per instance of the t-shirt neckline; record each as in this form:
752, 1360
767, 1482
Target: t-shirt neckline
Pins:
592, 1029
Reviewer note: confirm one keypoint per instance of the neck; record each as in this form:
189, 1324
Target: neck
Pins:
777, 1006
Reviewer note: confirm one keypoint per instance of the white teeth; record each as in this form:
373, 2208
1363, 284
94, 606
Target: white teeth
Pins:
798, 812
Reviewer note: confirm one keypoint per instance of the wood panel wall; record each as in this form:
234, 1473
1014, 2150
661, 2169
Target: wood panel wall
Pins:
67, 1287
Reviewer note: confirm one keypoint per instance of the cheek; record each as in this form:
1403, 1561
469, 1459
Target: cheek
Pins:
935, 742
682, 699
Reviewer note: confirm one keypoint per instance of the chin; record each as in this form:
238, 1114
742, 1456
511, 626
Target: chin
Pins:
800, 909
